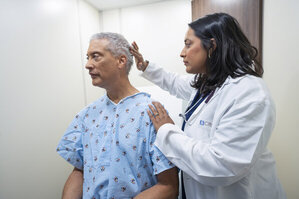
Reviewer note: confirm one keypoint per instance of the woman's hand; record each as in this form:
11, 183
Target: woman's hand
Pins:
140, 63
158, 115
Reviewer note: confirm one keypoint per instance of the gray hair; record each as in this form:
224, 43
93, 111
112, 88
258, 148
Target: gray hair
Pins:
118, 46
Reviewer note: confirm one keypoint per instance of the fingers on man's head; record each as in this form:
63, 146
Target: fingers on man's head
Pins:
135, 45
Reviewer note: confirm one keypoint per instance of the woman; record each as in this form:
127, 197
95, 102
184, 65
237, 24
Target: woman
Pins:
222, 145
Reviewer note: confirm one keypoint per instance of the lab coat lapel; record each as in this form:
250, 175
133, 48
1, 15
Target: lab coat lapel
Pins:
203, 104
196, 112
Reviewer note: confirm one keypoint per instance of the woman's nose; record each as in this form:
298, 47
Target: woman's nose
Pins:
183, 54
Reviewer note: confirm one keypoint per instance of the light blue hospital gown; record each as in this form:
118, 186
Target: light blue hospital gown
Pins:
113, 144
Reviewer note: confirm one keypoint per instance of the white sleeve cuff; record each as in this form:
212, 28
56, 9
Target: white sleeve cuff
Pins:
162, 141
149, 69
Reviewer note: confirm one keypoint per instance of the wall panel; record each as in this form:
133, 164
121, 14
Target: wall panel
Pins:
249, 14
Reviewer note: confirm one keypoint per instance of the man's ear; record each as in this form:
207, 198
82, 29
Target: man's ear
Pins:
122, 60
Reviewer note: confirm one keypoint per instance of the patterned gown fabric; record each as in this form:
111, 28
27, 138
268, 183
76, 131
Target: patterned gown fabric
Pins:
113, 144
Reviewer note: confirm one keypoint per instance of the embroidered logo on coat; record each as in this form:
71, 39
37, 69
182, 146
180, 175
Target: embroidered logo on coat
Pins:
205, 123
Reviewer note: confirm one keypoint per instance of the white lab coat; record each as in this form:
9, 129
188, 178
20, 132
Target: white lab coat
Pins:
222, 151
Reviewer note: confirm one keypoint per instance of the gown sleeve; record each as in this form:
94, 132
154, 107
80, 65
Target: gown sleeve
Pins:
159, 161
70, 146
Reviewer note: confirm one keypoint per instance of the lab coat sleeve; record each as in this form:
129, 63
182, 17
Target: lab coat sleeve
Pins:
177, 85
239, 139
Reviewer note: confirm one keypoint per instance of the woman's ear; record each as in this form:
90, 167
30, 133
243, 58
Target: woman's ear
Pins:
212, 48
213, 44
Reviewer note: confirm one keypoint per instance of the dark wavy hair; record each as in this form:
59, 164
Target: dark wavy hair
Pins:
233, 56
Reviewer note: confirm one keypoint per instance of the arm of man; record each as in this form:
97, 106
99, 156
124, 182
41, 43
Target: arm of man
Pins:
74, 185
166, 188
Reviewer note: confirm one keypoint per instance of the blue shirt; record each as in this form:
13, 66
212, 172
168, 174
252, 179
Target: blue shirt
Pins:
113, 144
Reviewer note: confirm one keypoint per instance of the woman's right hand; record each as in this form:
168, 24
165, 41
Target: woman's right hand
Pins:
140, 63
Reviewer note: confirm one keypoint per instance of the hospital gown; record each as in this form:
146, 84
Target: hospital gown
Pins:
113, 145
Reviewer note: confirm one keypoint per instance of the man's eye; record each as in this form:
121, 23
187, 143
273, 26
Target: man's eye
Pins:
95, 56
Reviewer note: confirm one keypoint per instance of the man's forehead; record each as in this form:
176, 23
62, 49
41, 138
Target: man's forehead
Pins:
97, 45
99, 42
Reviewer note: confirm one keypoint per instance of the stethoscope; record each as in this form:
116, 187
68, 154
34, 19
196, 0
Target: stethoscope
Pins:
198, 101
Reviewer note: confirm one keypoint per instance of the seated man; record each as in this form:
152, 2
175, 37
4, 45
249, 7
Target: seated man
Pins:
110, 142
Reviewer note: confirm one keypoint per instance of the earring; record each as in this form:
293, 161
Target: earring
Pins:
210, 52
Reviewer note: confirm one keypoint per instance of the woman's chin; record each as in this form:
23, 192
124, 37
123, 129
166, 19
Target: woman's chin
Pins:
189, 70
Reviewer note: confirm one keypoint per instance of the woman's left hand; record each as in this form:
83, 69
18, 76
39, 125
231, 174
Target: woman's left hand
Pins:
158, 115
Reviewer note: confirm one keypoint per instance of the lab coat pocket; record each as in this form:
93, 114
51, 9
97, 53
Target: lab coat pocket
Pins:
202, 129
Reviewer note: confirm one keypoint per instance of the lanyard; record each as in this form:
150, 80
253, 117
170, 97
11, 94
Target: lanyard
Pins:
195, 103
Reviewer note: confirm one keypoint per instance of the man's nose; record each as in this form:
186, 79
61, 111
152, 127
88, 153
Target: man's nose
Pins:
88, 65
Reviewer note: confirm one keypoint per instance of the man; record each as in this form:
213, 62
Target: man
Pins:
110, 142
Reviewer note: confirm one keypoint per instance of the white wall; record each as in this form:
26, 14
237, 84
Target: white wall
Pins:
281, 63
159, 30
41, 86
